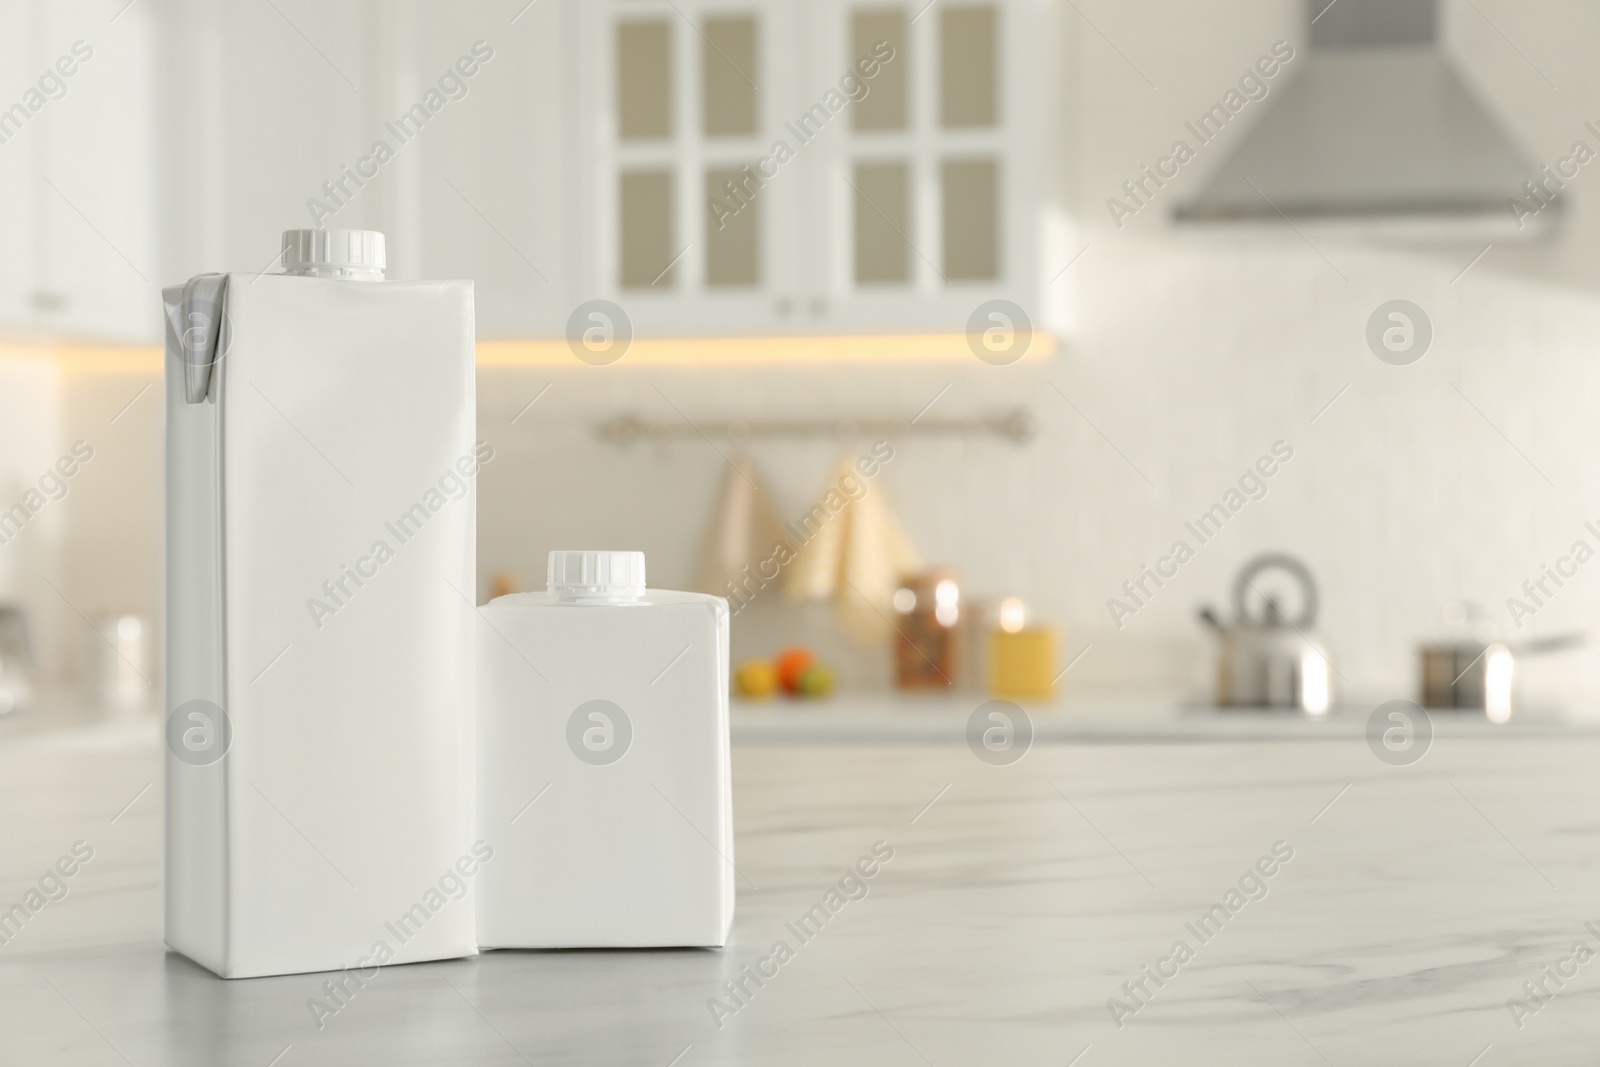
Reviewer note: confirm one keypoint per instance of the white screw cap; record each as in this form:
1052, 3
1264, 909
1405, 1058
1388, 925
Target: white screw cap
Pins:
356, 254
594, 573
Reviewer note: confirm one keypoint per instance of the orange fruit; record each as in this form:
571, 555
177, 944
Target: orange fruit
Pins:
792, 663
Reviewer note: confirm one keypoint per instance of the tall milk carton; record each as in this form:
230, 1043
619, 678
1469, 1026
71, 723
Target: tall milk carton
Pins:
321, 465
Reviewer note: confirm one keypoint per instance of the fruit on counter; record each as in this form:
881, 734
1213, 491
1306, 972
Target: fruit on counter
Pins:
792, 663
816, 681
756, 679
795, 672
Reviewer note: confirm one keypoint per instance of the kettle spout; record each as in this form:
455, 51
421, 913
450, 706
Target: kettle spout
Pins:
1209, 617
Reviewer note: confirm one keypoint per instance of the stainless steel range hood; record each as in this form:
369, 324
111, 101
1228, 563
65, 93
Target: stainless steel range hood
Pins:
1379, 132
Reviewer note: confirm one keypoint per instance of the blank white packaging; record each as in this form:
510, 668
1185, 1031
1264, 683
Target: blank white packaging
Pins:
321, 472
603, 764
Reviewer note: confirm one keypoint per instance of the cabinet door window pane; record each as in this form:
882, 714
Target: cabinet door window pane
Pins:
872, 33
971, 219
644, 79
882, 221
646, 229
733, 228
730, 76
967, 66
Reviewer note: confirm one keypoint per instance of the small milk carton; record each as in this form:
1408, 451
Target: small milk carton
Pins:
604, 785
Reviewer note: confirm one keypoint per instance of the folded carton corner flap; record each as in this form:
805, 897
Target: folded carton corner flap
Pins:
195, 315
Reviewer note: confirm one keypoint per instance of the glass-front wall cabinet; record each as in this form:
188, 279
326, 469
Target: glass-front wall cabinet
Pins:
811, 165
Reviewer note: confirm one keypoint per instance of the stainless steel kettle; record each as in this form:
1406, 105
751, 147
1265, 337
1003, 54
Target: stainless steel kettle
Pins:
1271, 660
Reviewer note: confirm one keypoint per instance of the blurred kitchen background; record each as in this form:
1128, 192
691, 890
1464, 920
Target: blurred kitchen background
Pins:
1181, 326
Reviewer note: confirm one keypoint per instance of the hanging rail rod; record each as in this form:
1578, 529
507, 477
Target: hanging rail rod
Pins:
1017, 426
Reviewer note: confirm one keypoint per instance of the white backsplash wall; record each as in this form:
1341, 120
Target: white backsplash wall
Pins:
1403, 495
96, 548
114, 514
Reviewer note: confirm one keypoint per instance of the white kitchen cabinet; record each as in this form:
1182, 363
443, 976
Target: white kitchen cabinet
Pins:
490, 192
679, 97
77, 168
898, 201
16, 182
583, 163
928, 201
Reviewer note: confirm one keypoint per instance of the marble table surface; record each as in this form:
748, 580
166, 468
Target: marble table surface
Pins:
1020, 898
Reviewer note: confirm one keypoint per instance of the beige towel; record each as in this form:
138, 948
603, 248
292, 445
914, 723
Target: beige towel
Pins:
855, 556
743, 531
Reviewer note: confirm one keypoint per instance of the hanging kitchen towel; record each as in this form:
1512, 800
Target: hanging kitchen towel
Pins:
817, 538
854, 555
743, 531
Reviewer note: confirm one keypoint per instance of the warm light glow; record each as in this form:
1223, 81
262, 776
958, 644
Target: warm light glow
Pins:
1497, 670
946, 597
904, 600
1013, 616
761, 351
554, 351
1314, 682
80, 358
128, 628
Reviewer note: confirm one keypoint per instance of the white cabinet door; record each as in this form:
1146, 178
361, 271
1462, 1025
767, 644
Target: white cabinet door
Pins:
101, 177
928, 187
687, 101
811, 166
17, 180
77, 173
489, 193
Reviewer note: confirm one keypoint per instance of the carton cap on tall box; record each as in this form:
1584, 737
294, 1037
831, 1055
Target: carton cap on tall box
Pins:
357, 255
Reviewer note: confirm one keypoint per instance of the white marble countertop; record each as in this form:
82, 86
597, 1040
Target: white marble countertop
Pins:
1019, 900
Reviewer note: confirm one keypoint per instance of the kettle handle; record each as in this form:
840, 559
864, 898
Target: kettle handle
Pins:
1278, 561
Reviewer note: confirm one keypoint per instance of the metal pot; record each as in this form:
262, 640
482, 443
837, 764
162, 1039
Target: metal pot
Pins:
1270, 660
1477, 675
16, 660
